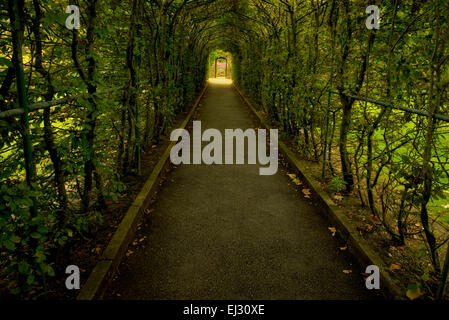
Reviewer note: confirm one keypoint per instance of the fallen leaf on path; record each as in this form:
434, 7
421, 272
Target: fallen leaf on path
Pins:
347, 271
394, 267
414, 291
291, 175
343, 248
306, 193
338, 197
130, 252
333, 230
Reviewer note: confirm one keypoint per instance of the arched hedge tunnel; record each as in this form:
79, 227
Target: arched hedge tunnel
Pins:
80, 107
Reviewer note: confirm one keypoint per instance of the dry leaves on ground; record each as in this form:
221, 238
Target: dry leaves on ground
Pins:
306, 193
295, 180
130, 252
394, 267
375, 220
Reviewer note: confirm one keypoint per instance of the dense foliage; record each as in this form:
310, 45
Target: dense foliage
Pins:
133, 66
289, 54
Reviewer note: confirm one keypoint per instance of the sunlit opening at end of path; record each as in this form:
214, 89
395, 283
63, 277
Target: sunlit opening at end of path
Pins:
221, 81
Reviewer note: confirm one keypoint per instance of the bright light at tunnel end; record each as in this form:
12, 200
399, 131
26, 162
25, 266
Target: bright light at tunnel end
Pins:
220, 81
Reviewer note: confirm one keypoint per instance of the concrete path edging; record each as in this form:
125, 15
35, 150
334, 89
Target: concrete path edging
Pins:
357, 245
107, 266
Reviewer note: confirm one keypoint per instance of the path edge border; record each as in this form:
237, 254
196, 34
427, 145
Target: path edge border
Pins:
357, 245
107, 266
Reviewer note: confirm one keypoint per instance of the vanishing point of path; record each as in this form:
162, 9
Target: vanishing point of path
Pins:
226, 232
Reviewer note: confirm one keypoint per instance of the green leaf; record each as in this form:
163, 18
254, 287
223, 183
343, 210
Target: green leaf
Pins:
15, 239
24, 268
5, 62
9, 245
50, 271
36, 235
16, 291
42, 229
30, 279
